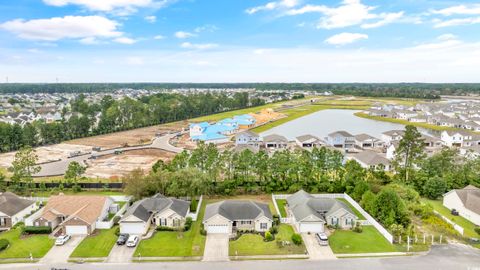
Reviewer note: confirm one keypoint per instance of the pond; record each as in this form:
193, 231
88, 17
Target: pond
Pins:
322, 123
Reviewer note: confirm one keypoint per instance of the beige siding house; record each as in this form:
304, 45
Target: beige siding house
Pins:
466, 201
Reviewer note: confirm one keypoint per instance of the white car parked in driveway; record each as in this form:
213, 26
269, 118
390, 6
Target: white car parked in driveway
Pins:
62, 239
132, 241
322, 239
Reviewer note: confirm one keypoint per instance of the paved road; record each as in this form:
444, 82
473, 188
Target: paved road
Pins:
451, 257
216, 247
60, 254
60, 167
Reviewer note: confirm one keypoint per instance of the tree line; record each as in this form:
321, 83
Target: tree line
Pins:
392, 198
111, 115
409, 90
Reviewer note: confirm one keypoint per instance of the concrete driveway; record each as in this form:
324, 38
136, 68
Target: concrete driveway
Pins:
315, 251
216, 247
121, 254
60, 254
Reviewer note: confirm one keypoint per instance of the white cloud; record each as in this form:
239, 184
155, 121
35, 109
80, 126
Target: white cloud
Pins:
387, 18
150, 19
459, 10
273, 5
158, 37
447, 37
125, 40
455, 22
89, 41
135, 61
68, 27
349, 13
183, 34
206, 28
198, 46
119, 7
345, 38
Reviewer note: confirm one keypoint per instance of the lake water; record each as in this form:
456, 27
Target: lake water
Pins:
322, 123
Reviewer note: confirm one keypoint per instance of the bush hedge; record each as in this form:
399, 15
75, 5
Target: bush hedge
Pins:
297, 239
4, 244
477, 230
188, 224
165, 228
36, 230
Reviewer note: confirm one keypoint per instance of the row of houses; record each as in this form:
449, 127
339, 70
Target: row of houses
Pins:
219, 132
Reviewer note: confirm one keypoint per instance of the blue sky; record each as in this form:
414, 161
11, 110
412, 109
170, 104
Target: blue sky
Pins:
240, 41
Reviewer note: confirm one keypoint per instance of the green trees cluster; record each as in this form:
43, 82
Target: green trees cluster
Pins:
110, 115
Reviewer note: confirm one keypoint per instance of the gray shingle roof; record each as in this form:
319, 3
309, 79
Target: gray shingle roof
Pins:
11, 204
371, 158
238, 210
275, 138
303, 205
470, 197
144, 208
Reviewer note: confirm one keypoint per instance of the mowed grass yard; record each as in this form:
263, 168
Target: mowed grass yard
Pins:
282, 203
96, 245
21, 247
467, 225
355, 211
253, 244
368, 241
175, 244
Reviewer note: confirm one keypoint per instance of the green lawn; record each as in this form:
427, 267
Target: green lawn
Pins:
253, 244
281, 203
96, 245
467, 225
405, 122
369, 241
172, 244
355, 211
38, 245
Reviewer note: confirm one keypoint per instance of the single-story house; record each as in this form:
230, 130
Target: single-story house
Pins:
275, 141
369, 159
13, 209
310, 213
73, 214
232, 215
308, 141
158, 211
466, 201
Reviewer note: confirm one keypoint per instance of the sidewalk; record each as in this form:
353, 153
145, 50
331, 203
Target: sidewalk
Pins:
381, 254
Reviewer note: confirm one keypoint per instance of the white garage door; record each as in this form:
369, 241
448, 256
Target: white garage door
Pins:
132, 228
218, 228
76, 230
311, 227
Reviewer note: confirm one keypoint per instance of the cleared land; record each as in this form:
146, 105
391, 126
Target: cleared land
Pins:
97, 245
22, 246
368, 241
253, 244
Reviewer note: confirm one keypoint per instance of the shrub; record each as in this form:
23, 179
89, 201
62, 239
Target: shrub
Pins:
165, 228
116, 219
358, 228
274, 230
202, 230
19, 224
477, 230
188, 224
36, 230
193, 205
276, 220
297, 239
4, 244
117, 231
268, 237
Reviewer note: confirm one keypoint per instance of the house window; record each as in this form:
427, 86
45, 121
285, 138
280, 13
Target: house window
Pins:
246, 222
163, 222
3, 221
263, 226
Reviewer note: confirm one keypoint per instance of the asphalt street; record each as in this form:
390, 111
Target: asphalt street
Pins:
451, 257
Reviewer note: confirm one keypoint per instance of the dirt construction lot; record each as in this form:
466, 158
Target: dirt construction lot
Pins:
112, 166
130, 137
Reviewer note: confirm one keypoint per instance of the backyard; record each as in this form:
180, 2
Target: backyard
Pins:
96, 245
464, 223
281, 203
22, 247
368, 241
173, 244
253, 244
